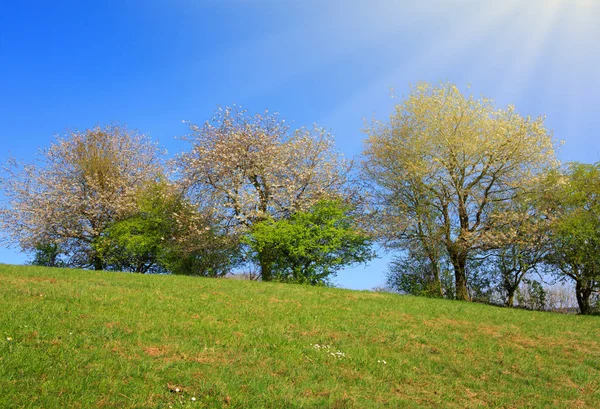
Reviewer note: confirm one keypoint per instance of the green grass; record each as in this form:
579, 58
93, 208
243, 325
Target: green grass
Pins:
96, 339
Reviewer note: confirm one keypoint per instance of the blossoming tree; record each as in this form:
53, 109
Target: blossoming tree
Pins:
254, 168
78, 186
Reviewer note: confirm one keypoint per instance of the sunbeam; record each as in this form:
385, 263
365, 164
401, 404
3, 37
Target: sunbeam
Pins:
513, 34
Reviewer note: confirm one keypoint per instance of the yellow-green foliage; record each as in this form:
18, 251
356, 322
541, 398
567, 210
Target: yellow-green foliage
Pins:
444, 163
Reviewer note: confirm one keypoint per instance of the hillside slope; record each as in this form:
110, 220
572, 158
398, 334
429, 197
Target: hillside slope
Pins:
86, 339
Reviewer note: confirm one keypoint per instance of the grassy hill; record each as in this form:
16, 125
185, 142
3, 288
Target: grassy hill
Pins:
85, 339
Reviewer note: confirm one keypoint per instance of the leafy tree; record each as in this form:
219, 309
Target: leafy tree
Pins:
310, 246
574, 208
443, 163
165, 234
253, 169
78, 186
139, 240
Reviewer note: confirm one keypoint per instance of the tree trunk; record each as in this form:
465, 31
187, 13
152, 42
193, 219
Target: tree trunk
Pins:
459, 262
436, 275
510, 301
583, 297
265, 268
98, 263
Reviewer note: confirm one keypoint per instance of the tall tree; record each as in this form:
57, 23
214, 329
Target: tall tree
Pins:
77, 187
252, 168
574, 208
441, 165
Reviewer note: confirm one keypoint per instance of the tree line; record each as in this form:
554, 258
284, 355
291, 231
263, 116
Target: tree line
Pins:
469, 197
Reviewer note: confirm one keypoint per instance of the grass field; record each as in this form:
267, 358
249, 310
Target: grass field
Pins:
86, 339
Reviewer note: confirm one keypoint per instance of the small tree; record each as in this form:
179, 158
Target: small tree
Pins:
139, 240
310, 246
79, 186
480, 280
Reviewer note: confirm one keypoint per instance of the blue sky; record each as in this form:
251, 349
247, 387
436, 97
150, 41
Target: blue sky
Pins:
151, 64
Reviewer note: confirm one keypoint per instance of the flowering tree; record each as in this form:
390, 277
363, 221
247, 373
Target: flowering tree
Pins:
442, 165
251, 168
76, 188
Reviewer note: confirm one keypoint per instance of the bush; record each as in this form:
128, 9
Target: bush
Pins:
309, 247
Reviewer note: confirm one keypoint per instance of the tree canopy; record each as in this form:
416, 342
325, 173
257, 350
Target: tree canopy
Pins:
441, 167
166, 234
310, 246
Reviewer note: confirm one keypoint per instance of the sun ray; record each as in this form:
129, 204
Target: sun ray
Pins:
531, 33
441, 54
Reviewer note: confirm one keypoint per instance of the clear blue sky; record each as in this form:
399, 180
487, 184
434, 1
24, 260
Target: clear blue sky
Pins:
151, 64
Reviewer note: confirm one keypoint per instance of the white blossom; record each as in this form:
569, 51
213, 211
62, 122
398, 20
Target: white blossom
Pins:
77, 186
